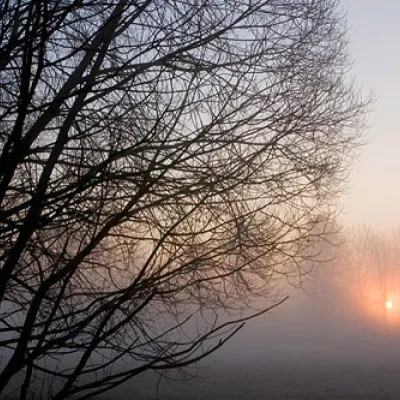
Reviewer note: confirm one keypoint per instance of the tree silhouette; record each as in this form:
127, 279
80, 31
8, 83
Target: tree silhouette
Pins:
162, 164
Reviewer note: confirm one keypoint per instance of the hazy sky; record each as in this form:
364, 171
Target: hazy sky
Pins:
374, 197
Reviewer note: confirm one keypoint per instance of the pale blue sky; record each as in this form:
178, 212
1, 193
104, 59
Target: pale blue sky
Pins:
374, 196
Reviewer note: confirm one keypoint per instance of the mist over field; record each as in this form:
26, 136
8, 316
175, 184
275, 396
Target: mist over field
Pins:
313, 328
333, 338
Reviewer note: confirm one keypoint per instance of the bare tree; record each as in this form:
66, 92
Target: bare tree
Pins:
162, 164
373, 271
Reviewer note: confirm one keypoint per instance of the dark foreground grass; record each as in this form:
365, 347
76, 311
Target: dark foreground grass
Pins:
308, 381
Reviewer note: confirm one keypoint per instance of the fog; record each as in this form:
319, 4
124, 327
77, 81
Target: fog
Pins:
315, 327
339, 315
333, 338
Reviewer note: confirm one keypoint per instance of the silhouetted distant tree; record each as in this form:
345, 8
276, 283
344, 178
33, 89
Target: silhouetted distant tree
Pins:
373, 263
162, 163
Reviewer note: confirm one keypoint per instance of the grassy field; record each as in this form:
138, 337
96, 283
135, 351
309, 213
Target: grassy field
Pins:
312, 381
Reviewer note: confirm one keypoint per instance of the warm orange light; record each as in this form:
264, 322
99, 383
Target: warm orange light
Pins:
389, 305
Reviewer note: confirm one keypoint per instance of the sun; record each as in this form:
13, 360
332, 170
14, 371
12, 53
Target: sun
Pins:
389, 305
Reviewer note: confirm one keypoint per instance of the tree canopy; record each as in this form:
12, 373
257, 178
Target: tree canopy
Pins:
161, 163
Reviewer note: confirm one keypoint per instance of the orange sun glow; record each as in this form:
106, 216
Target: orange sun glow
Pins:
389, 305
